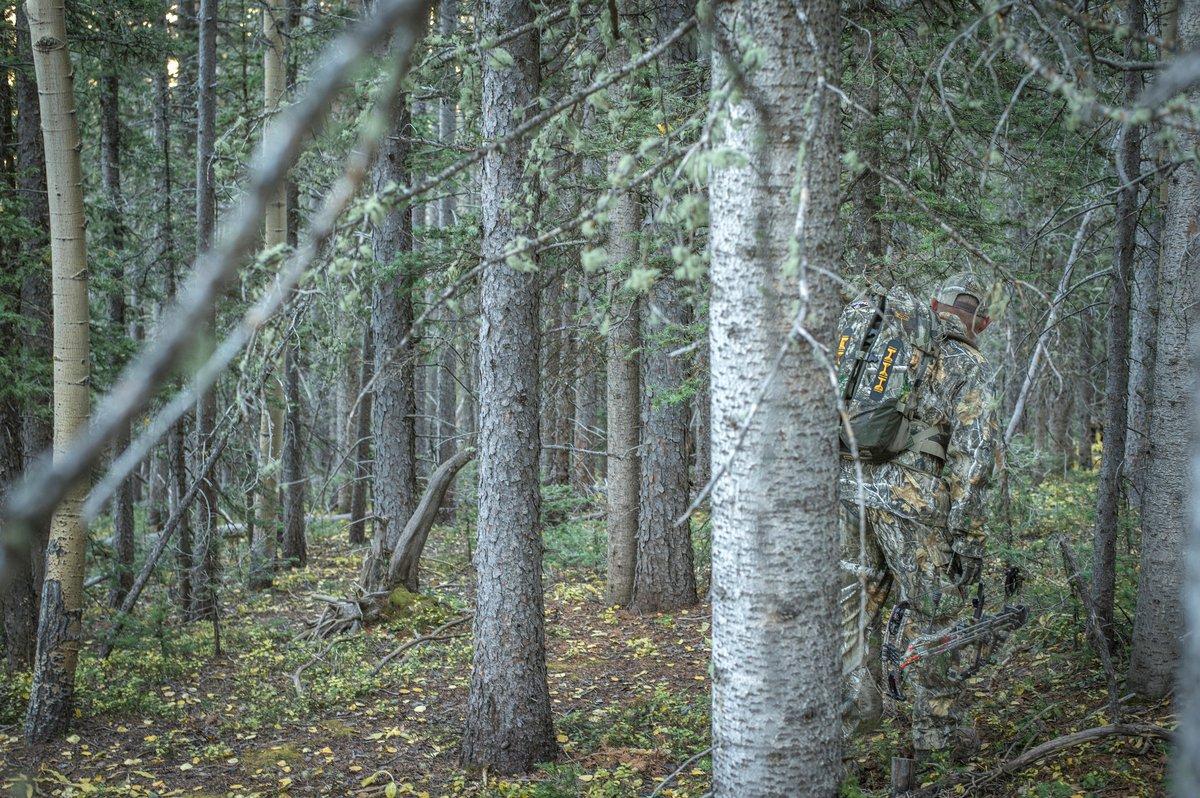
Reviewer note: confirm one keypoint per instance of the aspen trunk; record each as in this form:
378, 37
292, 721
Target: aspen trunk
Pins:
509, 727
59, 627
776, 727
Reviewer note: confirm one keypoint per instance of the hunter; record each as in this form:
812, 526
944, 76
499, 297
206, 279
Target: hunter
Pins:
923, 502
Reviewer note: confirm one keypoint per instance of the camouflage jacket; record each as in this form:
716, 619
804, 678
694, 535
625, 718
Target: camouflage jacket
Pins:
957, 396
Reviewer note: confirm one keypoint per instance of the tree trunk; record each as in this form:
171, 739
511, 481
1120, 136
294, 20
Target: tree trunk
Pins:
59, 626
208, 542
346, 421
395, 404
509, 728
1158, 621
587, 403
20, 597
270, 441
624, 401
1086, 399
295, 546
36, 343
868, 187
110, 170
295, 484
703, 403
1186, 753
664, 574
1143, 326
362, 442
776, 728
16, 595
447, 401
1108, 498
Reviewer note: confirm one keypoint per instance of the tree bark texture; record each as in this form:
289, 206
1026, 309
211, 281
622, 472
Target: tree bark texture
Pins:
393, 416
776, 727
624, 401
664, 574
362, 442
208, 542
271, 433
295, 544
59, 626
1158, 621
509, 726
1116, 384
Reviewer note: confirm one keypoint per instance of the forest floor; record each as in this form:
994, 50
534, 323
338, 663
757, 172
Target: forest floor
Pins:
163, 716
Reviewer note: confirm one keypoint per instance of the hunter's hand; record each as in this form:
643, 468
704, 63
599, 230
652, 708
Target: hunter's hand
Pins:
965, 570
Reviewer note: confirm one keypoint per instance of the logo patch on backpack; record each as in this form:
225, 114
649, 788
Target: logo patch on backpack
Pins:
892, 354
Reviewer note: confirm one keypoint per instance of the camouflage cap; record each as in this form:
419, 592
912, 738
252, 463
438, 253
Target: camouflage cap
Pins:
967, 283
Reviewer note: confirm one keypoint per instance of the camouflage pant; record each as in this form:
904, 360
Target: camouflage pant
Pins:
915, 556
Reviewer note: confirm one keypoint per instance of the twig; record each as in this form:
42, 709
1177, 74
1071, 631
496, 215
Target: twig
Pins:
436, 634
312, 661
1040, 752
678, 770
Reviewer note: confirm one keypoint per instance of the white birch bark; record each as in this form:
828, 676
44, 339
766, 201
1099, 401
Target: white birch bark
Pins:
59, 625
775, 657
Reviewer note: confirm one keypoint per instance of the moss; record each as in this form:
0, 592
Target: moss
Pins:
265, 758
401, 603
336, 728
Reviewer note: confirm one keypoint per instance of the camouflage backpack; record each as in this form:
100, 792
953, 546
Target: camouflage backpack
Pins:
885, 345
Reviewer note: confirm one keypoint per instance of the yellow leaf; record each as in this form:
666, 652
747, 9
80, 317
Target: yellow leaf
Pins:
390, 790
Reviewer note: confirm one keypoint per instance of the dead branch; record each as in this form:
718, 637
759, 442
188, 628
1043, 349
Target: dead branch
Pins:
433, 636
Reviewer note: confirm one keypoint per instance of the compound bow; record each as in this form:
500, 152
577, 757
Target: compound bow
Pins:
901, 655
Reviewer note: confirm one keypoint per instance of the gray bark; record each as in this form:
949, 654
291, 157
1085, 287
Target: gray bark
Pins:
509, 726
624, 402
110, 171
1186, 754
664, 574
207, 566
395, 404
1108, 498
1158, 621
447, 396
295, 544
362, 443
587, 404
776, 727
1143, 311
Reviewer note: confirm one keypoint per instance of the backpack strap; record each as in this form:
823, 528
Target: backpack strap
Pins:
927, 439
